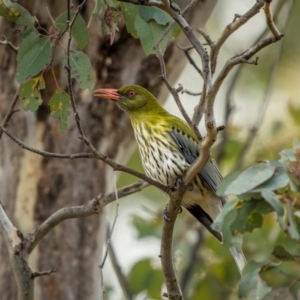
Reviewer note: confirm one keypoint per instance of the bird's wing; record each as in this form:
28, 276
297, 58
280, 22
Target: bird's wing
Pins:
210, 173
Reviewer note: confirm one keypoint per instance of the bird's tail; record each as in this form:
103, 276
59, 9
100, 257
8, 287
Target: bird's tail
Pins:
239, 258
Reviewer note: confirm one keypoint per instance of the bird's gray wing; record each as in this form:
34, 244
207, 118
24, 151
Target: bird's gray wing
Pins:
210, 173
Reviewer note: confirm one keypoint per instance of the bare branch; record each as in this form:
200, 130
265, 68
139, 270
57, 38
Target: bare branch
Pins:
91, 207
4, 41
193, 256
269, 19
68, 67
110, 233
261, 110
239, 59
121, 277
95, 154
190, 59
206, 37
185, 91
230, 28
171, 211
23, 274
43, 273
11, 111
229, 107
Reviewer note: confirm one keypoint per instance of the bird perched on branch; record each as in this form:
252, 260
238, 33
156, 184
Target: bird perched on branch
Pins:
168, 146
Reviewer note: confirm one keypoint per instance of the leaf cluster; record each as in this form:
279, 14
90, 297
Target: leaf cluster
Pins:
264, 188
36, 54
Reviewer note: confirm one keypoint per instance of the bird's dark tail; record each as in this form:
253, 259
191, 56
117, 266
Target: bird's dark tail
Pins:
205, 220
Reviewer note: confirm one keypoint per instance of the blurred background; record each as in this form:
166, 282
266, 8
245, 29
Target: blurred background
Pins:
260, 106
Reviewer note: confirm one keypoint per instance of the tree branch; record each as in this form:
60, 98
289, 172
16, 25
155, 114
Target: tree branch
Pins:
269, 19
91, 207
166, 252
237, 22
95, 154
23, 274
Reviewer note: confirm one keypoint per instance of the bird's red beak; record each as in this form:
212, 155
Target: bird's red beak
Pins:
111, 94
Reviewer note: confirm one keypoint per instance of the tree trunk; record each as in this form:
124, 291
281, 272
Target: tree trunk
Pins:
32, 187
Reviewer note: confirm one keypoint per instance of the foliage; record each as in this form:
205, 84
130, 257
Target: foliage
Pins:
36, 50
266, 187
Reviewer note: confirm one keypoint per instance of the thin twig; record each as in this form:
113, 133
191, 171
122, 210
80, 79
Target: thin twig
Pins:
206, 37
185, 91
110, 233
187, 273
261, 109
10, 112
269, 19
229, 107
190, 59
43, 273
68, 67
4, 41
118, 271
230, 28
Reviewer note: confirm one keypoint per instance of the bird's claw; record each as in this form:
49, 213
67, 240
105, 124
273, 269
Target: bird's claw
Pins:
166, 214
178, 182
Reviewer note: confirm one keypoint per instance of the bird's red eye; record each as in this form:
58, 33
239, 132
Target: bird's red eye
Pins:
131, 94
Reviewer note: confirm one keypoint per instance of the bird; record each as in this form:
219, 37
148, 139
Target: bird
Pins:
168, 147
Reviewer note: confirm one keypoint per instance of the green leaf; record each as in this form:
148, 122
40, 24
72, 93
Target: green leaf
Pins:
95, 11
59, 106
274, 201
251, 286
229, 238
11, 11
28, 22
291, 225
219, 221
247, 218
227, 181
30, 93
250, 178
143, 276
150, 32
130, 12
79, 29
279, 180
81, 69
149, 13
33, 56
281, 253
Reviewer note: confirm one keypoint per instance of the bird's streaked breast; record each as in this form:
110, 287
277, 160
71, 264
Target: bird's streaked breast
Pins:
160, 157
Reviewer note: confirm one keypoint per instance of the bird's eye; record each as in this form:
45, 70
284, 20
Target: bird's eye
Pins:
131, 94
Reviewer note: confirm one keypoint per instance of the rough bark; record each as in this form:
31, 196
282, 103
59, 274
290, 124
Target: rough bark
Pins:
32, 187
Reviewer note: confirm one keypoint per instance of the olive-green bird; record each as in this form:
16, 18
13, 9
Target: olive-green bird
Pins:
168, 146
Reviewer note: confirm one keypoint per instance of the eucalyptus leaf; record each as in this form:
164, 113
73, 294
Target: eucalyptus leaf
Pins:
60, 104
81, 69
250, 178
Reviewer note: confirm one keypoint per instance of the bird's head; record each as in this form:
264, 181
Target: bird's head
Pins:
134, 99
